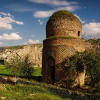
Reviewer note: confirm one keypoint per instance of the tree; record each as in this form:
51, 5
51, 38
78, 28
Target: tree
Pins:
85, 63
20, 66
26, 68
92, 61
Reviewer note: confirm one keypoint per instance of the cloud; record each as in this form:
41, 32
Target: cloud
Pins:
40, 22
30, 41
45, 14
6, 20
19, 22
5, 14
54, 2
19, 8
11, 36
61, 4
91, 30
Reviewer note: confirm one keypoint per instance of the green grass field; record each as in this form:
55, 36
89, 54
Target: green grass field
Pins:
27, 92
34, 91
6, 71
26, 89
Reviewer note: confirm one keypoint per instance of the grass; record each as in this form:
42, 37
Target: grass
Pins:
62, 14
40, 91
37, 71
19, 46
31, 90
6, 71
61, 37
27, 92
94, 41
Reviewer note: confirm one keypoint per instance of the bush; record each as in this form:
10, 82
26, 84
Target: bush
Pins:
14, 65
90, 60
20, 66
26, 69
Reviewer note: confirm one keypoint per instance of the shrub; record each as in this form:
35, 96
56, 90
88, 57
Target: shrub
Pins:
90, 60
26, 69
20, 66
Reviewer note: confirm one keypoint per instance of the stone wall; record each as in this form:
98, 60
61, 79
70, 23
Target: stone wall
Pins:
33, 51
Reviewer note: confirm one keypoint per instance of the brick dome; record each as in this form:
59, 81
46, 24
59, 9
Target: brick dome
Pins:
63, 23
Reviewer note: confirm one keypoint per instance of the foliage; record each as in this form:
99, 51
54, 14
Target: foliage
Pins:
60, 36
12, 47
19, 46
94, 41
22, 66
90, 60
26, 69
4, 70
75, 62
14, 64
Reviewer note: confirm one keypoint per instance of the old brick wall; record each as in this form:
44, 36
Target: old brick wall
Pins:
64, 27
60, 49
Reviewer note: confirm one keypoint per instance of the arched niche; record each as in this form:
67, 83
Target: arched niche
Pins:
51, 66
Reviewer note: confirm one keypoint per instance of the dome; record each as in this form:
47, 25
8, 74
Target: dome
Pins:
63, 23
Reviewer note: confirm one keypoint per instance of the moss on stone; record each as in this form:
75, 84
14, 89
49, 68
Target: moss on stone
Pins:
62, 14
60, 36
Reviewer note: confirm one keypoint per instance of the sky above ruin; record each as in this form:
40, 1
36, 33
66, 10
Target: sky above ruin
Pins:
24, 21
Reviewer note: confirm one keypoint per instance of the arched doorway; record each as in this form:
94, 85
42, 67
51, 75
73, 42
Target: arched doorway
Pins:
51, 65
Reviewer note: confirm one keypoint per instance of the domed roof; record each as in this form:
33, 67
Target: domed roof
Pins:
63, 23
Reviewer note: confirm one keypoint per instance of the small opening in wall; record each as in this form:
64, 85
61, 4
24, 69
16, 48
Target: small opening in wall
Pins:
78, 33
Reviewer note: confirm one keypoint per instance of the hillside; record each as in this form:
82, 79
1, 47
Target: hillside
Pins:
34, 51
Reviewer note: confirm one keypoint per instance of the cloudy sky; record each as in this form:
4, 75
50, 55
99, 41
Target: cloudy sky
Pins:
23, 21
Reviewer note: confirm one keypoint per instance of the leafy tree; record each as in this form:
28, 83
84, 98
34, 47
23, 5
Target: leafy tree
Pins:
92, 61
20, 66
89, 61
27, 69
14, 64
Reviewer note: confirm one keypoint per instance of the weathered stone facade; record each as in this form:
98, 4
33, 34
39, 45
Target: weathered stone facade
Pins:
57, 49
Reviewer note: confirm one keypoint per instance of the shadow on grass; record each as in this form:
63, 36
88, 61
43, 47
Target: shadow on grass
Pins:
36, 78
64, 93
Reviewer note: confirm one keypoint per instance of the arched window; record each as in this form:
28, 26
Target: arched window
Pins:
78, 33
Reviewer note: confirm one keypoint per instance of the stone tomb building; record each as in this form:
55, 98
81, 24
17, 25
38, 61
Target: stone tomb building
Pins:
63, 39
